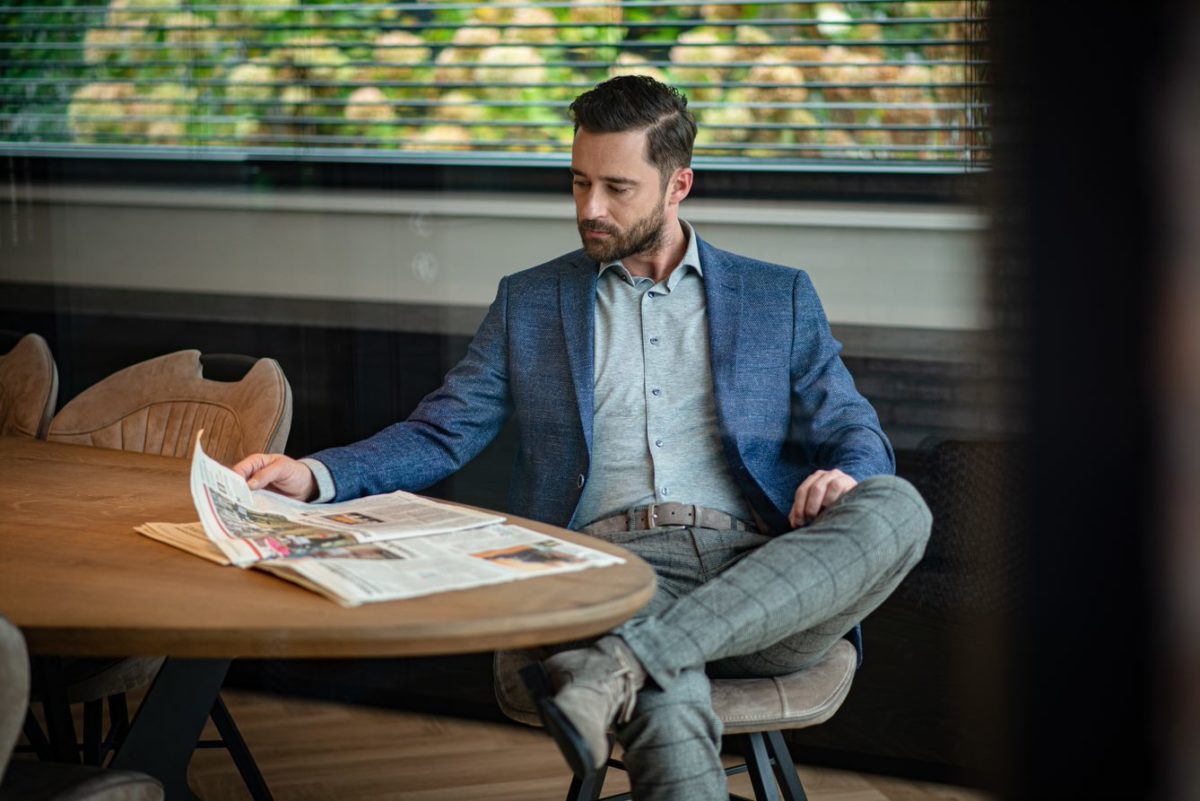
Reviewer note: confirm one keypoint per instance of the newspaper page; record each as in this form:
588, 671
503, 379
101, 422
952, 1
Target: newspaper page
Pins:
188, 537
251, 526
392, 570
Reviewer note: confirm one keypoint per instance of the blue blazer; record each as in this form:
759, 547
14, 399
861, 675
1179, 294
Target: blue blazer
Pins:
785, 403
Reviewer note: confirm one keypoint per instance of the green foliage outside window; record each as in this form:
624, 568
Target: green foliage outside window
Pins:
787, 81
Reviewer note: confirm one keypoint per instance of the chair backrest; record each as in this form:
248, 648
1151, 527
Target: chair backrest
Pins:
14, 688
28, 388
158, 405
972, 562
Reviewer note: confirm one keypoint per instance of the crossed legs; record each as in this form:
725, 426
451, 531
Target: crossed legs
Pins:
742, 604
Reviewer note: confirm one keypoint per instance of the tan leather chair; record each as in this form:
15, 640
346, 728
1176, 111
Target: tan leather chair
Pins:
157, 406
28, 388
51, 781
756, 709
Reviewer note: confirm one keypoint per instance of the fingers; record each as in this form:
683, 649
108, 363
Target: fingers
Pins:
797, 516
261, 469
252, 463
819, 491
276, 469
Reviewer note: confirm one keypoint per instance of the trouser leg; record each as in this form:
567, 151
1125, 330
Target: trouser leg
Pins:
672, 744
820, 578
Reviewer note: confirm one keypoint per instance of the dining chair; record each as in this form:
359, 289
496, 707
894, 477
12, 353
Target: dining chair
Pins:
158, 405
244, 405
28, 385
43, 780
754, 711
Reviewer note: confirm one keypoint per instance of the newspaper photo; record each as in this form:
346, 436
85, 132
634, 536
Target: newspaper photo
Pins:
379, 548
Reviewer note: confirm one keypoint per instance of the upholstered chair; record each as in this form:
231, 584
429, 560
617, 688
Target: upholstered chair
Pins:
158, 405
47, 781
28, 388
243, 405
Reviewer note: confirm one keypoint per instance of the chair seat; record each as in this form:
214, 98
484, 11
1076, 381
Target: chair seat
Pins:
92, 679
794, 701
45, 781
805, 698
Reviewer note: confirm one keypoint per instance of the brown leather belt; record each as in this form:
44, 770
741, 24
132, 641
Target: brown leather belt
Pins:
658, 515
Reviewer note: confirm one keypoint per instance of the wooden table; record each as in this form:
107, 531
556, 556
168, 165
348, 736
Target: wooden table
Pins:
78, 581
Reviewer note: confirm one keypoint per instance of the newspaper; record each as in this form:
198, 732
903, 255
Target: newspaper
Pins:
379, 548
254, 526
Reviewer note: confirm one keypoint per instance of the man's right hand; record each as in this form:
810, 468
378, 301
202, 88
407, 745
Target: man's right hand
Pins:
278, 473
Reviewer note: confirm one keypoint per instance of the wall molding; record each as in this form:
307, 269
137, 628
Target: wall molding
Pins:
510, 206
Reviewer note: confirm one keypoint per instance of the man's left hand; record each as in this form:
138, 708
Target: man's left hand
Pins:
817, 492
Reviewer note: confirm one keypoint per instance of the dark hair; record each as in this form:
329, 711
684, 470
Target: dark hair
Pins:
635, 103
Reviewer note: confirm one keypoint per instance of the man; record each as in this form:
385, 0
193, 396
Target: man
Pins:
686, 403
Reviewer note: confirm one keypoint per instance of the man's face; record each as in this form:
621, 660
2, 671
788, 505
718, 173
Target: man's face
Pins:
619, 196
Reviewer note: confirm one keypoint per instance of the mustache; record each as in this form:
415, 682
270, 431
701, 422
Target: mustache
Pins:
592, 225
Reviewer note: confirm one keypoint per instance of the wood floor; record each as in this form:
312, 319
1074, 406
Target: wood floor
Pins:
318, 751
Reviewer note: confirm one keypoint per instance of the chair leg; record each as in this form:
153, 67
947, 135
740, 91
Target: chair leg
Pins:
35, 736
93, 730
238, 750
785, 768
118, 722
758, 764
588, 790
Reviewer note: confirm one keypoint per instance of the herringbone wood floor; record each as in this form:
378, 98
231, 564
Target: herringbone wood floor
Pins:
318, 751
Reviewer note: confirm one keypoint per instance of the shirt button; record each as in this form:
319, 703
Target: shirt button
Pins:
664, 492
656, 392
653, 340
658, 443
580, 480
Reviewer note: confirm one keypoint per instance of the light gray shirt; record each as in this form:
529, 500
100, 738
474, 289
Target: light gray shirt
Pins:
655, 436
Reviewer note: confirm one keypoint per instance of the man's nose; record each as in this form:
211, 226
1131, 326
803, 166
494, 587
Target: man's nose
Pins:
591, 206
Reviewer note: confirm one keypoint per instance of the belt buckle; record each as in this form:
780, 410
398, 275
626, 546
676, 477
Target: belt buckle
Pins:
651, 519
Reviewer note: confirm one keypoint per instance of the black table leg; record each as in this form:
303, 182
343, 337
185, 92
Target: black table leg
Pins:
163, 733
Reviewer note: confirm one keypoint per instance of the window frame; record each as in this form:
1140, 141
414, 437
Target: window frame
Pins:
464, 173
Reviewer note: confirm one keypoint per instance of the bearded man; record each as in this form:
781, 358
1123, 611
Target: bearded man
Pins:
686, 403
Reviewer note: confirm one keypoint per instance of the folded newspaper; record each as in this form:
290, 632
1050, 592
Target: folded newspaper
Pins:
378, 548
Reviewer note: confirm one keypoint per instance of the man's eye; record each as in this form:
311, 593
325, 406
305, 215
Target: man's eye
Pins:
618, 190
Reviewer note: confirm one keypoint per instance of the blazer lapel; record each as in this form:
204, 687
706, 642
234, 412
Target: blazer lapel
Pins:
577, 301
723, 294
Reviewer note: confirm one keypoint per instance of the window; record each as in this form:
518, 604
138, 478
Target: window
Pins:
776, 85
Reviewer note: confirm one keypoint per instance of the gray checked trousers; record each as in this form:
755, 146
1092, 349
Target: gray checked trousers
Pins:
741, 604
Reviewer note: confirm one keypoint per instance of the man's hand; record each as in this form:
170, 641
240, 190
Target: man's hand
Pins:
278, 473
817, 492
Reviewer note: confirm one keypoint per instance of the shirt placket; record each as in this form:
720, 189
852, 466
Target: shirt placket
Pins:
654, 355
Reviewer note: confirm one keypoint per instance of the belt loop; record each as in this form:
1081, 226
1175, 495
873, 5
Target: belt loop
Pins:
696, 516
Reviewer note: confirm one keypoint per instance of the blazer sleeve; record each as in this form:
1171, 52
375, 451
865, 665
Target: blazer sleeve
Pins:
448, 429
834, 425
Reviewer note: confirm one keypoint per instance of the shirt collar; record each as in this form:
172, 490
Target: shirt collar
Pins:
691, 258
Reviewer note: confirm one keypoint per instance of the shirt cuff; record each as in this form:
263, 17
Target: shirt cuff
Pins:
326, 491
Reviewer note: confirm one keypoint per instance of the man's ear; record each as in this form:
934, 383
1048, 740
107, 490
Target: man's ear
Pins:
679, 185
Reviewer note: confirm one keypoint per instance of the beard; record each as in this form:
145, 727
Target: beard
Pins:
643, 236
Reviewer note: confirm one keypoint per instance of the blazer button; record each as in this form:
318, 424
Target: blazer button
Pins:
579, 482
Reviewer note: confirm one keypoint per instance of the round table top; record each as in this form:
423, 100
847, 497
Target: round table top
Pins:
79, 581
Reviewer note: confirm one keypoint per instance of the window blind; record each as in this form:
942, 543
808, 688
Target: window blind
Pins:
776, 83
